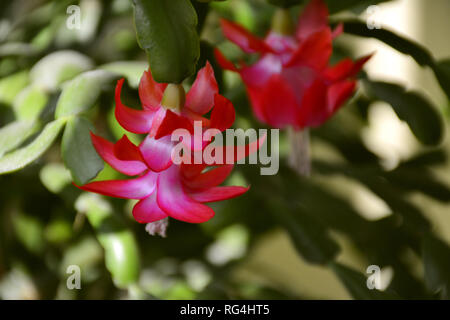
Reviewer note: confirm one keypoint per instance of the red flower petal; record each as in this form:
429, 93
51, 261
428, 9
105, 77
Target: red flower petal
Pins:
124, 149
313, 18
346, 68
223, 62
157, 153
338, 93
147, 210
150, 92
313, 111
223, 114
218, 194
106, 150
314, 52
209, 179
200, 97
259, 73
192, 170
244, 39
279, 102
170, 122
137, 121
138, 188
176, 203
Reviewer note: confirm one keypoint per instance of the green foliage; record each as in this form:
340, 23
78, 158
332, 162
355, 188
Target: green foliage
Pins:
436, 259
285, 3
13, 134
419, 53
52, 77
22, 157
422, 117
167, 32
78, 153
82, 92
121, 251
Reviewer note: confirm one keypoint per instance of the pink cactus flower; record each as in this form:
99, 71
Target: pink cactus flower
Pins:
165, 189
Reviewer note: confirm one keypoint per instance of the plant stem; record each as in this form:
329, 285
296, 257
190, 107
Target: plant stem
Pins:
299, 157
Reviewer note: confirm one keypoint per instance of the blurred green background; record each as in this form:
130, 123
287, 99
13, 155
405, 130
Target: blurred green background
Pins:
376, 192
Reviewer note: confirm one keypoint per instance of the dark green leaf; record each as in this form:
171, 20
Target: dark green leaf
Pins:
166, 30
285, 3
442, 71
421, 116
78, 152
436, 259
354, 5
419, 179
309, 237
419, 53
406, 46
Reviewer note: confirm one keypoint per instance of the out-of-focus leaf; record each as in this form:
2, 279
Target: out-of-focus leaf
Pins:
54, 176
421, 180
442, 71
436, 259
429, 158
166, 30
57, 67
131, 70
309, 237
22, 157
356, 284
17, 49
416, 51
285, 3
121, 250
413, 218
29, 103
419, 53
87, 254
29, 231
354, 5
13, 134
11, 85
421, 116
81, 93
78, 153
58, 231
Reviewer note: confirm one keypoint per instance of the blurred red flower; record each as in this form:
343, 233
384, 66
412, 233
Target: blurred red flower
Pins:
291, 84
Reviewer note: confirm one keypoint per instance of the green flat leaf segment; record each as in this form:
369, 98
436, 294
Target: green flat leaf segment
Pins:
79, 155
81, 93
166, 30
22, 157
